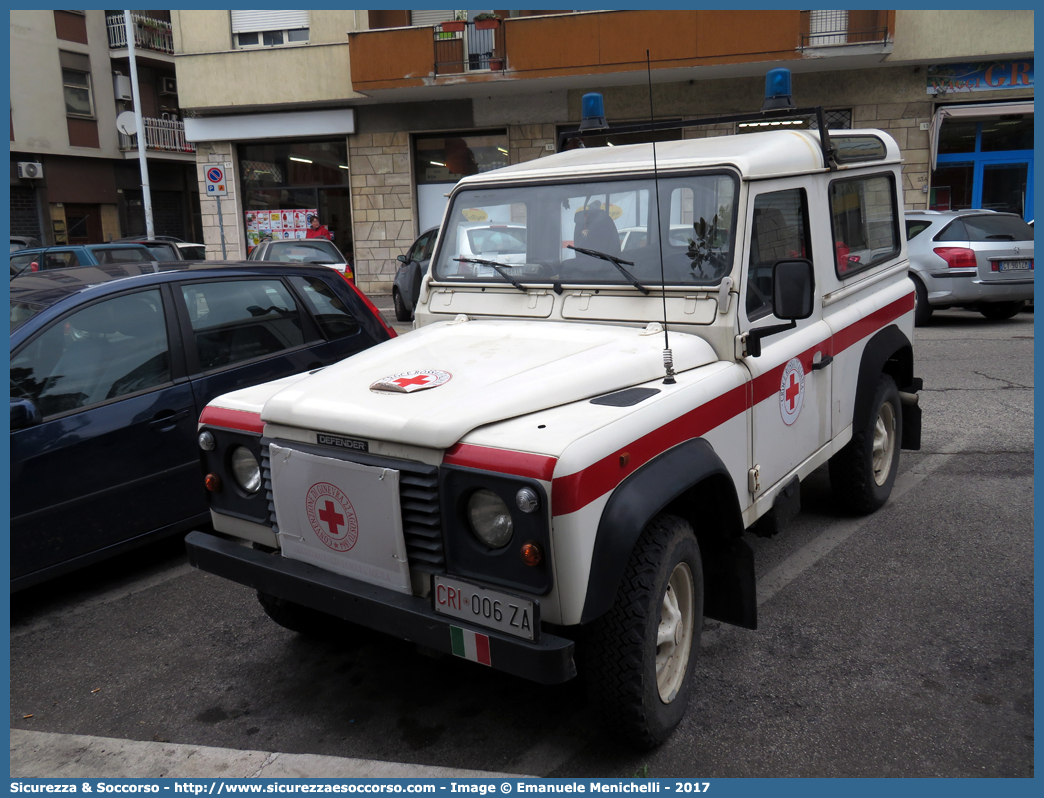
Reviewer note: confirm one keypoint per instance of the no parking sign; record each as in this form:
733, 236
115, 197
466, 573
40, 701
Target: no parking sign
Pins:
216, 182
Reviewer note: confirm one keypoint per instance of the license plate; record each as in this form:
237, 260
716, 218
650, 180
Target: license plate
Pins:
484, 607
1016, 265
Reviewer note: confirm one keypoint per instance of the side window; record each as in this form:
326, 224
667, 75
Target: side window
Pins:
954, 231
417, 250
864, 221
240, 320
779, 230
334, 319
914, 227
429, 245
59, 260
107, 350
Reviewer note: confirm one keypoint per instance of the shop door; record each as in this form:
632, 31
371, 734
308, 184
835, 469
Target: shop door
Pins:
83, 224
1004, 187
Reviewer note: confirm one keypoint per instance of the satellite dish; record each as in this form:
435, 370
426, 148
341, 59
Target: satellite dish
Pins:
126, 124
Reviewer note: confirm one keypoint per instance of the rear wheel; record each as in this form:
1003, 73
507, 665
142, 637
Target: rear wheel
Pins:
640, 656
402, 313
922, 310
862, 473
998, 311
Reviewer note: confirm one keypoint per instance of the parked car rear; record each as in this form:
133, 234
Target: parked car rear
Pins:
974, 259
66, 257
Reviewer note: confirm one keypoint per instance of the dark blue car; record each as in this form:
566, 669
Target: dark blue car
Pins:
110, 369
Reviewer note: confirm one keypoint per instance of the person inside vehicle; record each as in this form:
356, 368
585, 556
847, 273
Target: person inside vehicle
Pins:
316, 229
594, 229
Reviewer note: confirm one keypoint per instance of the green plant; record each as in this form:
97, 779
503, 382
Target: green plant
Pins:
641, 773
486, 15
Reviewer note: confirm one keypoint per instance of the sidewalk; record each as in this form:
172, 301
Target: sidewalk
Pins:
387, 308
74, 756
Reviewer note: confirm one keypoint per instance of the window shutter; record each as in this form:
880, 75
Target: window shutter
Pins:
429, 17
250, 21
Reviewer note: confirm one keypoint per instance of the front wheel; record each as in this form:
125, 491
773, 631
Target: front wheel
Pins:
998, 311
402, 313
640, 656
863, 472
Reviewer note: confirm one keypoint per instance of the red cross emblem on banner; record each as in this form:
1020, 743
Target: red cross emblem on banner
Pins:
410, 381
331, 516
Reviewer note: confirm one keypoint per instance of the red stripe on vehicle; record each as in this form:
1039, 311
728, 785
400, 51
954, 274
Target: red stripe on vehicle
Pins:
242, 420
575, 491
522, 464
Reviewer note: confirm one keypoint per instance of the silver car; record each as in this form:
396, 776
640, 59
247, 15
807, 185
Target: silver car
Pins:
975, 259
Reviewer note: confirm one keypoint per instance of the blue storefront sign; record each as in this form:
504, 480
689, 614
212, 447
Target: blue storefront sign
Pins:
980, 76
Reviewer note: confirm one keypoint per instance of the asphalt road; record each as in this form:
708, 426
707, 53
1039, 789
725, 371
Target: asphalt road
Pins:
895, 645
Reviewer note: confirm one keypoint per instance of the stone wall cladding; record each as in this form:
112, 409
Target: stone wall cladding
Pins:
529, 142
902, 121
383, 215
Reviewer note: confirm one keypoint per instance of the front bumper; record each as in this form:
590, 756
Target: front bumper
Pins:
549, 660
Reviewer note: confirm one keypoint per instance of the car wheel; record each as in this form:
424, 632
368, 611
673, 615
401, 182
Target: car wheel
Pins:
922, 310
402, 313
863, 472
640, 656
998, 311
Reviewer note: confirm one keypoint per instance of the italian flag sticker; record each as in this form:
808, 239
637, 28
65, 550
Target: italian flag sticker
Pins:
470, 645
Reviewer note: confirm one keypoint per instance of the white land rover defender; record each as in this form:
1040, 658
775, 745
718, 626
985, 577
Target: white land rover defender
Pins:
527, 479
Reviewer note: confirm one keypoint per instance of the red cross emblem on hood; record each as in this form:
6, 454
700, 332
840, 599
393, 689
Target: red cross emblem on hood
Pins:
410, 381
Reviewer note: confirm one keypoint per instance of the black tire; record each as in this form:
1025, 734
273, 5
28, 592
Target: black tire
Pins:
998, 311
402, 313
620, 648
922, 310
862, 473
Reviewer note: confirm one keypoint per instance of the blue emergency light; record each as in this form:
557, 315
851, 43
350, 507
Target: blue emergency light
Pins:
777, 90
592, 112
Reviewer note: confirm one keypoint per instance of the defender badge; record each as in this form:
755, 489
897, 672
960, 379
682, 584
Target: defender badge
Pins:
410, 381
791, 391
332, 516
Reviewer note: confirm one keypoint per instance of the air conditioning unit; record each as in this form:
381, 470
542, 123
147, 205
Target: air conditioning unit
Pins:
168, 86
121, 85
30, 170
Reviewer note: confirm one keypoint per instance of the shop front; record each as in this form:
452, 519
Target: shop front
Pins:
982, 152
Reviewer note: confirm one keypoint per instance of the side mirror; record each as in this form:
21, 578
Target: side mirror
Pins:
402, 259
793, 289
24, 413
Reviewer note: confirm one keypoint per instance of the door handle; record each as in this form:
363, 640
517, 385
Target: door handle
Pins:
822, 364
166, 419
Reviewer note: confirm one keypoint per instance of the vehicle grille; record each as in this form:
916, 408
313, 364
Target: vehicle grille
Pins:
418, 500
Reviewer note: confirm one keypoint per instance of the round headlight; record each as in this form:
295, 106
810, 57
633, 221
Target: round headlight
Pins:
245, 469
490, 518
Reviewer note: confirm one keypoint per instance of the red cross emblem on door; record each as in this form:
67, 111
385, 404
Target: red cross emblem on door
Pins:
791, 391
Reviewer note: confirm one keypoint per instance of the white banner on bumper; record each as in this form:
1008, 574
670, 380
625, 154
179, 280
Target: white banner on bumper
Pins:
340, 516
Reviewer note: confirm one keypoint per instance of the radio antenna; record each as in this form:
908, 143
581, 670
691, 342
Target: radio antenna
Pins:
668, 356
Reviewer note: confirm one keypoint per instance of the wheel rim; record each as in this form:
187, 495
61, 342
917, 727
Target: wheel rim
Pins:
884, 443
674, 634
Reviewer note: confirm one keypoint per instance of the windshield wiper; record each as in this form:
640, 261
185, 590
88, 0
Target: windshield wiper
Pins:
619, 264
500, 269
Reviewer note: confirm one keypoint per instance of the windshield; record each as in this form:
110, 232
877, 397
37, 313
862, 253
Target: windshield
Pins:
301, 251
532, 229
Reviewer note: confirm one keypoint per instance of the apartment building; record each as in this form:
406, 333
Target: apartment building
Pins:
370, 117
75, 178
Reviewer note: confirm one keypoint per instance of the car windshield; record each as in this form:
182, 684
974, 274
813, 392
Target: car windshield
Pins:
302, 251
161, 251
999, 227
123, 254
21, 312
532, 230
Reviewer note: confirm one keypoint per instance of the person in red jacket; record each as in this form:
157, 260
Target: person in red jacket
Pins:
316, 229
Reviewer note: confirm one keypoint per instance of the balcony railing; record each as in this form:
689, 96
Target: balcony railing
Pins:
826, 28
149, 33
468, 50
162, 135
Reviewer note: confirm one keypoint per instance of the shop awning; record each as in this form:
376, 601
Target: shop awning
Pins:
971, 112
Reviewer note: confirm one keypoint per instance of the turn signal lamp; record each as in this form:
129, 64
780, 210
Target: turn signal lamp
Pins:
777, 90
213, 482
592, 112
957, 257
531, 554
